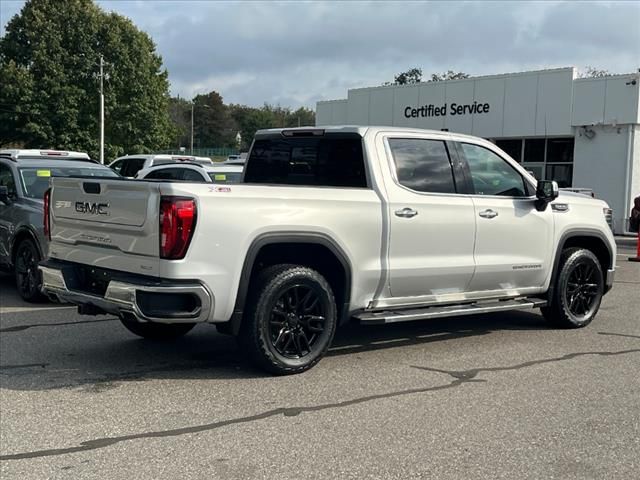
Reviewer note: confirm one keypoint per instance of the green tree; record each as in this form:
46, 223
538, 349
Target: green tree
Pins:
448, 75
592, 72
49, 91
411, 76
213, 124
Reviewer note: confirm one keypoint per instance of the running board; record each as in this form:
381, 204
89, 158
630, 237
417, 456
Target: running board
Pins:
410, 314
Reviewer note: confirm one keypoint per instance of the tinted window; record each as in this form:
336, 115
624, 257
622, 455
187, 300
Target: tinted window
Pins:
131, 167
422, 165
491, 174
7, 180
117, 166
35, 181
333, 160
192, 176
226, 177
165, 174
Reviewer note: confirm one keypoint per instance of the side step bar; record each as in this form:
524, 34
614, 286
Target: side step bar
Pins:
410, 314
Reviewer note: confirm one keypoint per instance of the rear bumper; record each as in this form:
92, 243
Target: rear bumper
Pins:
149, 300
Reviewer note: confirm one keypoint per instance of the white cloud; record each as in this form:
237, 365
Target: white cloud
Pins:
295, 53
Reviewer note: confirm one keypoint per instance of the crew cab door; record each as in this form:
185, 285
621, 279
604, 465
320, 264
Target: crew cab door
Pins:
432, 227
513, 240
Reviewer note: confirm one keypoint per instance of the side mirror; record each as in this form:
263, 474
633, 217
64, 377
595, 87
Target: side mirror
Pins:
4, 195
546, 191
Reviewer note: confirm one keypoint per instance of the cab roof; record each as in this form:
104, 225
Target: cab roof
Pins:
34, 154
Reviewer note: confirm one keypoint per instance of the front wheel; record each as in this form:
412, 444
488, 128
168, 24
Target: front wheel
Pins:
26, 271
156, 331
290, 320
578, 290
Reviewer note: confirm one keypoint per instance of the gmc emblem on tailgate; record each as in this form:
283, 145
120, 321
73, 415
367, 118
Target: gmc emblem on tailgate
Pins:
92, 208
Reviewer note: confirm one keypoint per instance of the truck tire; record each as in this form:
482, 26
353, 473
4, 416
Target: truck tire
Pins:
156, 331
290, 320
578, 290
28, 281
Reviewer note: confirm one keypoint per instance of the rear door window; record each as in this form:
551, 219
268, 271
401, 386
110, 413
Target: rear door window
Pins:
332, 160
422, 165
192, 176
165, 174
131, 167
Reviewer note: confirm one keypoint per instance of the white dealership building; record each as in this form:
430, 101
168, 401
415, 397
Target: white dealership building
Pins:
581, 132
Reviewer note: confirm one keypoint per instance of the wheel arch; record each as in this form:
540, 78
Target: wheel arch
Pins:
24, 233
591, 239
294, 247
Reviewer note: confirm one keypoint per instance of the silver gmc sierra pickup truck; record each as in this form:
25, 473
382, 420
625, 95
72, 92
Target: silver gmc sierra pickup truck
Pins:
376, 224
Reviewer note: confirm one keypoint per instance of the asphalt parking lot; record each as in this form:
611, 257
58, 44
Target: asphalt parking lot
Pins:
493, 396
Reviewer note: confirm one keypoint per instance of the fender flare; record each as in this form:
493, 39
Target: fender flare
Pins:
270, 238
568, 234
24, 230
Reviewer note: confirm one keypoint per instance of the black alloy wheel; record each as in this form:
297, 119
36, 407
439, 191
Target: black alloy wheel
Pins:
583, 289
578, 289
28, 280
297, 321
290, 319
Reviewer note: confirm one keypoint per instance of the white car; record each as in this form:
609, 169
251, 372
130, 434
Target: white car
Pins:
191, 172
376, 224
129, 165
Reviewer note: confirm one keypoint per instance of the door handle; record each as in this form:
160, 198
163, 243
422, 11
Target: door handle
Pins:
406, 212
488, 213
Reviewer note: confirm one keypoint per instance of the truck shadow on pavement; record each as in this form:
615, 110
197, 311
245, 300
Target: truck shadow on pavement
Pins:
97, 354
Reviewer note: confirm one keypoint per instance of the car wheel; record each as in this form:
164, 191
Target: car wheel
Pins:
28, 280
290, 320
156, 331
578, 290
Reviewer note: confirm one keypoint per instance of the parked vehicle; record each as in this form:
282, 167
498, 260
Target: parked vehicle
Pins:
377, 224
24, 177
129, 165
193, 172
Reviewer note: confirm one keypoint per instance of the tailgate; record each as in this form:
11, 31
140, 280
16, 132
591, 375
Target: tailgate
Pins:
111, 223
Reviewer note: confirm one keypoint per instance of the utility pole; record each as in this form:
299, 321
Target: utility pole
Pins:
101, 109
192, 103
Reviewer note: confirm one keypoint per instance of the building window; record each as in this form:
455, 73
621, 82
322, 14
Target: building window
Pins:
545, 158
534, 150
513, 147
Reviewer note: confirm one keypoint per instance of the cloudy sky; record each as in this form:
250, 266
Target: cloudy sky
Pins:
295, 53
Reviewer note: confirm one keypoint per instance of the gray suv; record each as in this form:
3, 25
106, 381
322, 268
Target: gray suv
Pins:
24, 178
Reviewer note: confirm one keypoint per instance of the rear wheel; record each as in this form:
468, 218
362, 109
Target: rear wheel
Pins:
156, 331
26, 272
578, 290
290, 320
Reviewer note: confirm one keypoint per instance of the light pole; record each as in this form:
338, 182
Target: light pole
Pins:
192, 105
101, 109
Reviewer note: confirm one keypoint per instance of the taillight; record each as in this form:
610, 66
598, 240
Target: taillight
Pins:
47, 214
177, 223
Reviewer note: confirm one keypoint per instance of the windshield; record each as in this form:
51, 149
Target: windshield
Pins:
35, 181
225, 177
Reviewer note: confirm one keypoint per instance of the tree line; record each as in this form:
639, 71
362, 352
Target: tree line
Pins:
217, 124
